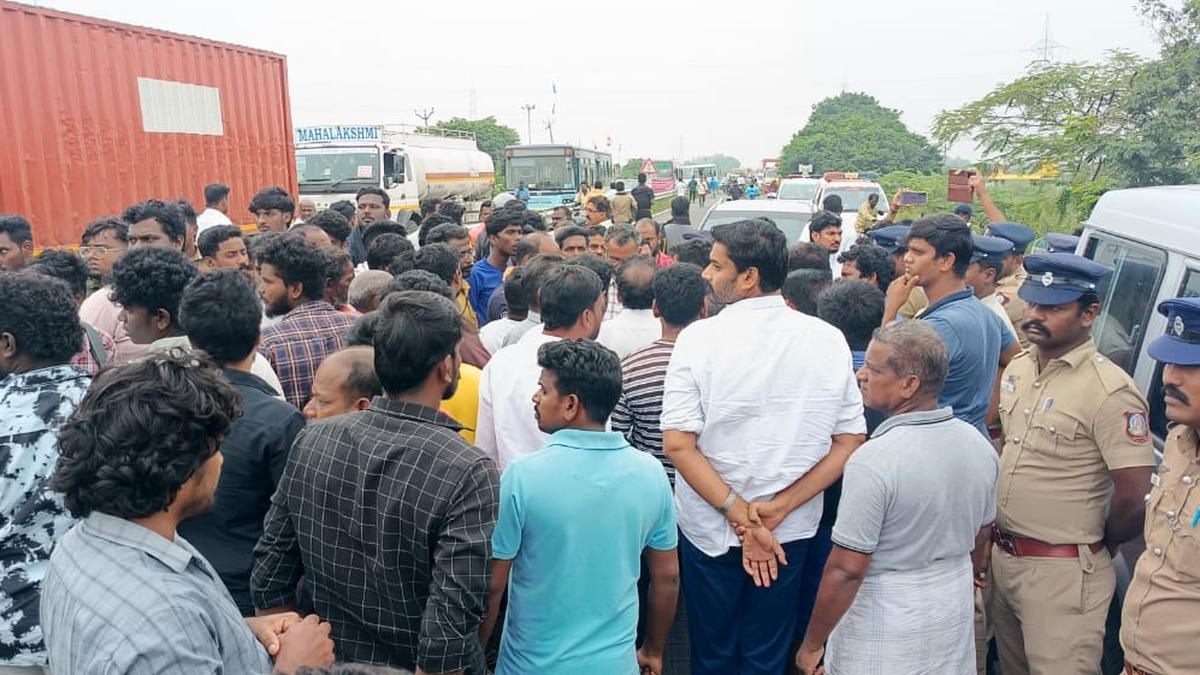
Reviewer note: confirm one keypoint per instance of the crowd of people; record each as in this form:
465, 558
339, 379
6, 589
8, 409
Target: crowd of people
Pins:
529, 446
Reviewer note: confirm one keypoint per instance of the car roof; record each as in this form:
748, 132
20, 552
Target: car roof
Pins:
1164, 216
764, 205
853, 183
801, 180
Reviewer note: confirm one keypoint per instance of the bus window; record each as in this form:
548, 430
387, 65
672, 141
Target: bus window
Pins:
1137, 272
1158, 409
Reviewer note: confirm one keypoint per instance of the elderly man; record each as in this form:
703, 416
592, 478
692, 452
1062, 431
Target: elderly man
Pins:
918, 500
346, 382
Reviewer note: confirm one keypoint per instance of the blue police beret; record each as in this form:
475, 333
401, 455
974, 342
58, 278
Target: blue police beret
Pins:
890, 237
989, 248
1181, 344
1061, 243
1020, 235
1059, 278
964, 210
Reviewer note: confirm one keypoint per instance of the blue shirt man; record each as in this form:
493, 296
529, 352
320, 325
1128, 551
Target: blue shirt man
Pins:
503, 230
939, 250
574, 520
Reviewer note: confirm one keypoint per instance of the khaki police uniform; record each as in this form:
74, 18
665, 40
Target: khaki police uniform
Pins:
916, 303
1013, 305
1160, 624
1065, 428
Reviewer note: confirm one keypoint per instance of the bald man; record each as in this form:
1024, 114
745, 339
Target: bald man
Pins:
315, 235
345, 383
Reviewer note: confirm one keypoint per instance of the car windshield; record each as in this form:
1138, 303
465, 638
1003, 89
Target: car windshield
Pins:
854, 197
797, 191
323, 169
791, 224
541, 173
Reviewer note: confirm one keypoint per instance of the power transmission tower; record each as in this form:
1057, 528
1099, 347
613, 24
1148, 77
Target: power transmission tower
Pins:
425, 115
528, 108
1044, 50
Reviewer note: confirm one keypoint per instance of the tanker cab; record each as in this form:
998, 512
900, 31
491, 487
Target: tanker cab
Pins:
397, 181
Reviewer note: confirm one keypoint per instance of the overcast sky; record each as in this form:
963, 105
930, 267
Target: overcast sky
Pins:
665, 79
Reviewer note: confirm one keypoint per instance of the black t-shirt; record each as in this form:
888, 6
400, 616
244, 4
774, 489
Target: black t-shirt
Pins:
643, 195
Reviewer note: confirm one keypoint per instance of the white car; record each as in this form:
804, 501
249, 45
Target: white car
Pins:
803, 189
853, 193
790, 216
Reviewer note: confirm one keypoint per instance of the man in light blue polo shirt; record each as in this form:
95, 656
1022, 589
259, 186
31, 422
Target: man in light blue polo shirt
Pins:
980, 346
575, 518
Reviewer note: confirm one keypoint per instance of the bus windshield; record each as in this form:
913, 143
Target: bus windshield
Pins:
541, 173
324, 169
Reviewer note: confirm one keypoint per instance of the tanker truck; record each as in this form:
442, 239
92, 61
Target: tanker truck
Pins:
408, 163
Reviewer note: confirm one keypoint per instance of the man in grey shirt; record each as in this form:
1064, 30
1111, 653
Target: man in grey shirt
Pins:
917, 505
124, 592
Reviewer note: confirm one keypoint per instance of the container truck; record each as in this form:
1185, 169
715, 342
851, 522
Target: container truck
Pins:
96, 115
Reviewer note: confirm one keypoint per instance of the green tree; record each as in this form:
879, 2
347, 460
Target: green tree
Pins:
852, 132
490, 135
1065, 114
1163, 143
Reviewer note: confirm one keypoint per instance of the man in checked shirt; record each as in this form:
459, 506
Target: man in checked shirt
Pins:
388, 513
292, 284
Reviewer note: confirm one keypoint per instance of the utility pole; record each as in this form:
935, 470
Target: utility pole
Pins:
528, 107
425, 116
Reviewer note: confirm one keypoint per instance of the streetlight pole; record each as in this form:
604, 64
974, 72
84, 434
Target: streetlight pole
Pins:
528, 107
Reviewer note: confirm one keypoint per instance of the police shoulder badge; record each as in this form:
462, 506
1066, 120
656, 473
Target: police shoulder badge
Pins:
1003, 298
1136, 427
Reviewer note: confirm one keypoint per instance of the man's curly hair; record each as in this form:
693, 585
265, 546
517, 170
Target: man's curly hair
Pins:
295, 261
141, 432
152, 278
39, 312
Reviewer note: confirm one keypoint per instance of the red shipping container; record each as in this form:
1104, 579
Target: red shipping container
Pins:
97, 115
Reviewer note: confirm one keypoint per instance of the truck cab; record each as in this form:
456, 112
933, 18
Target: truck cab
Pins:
409, 164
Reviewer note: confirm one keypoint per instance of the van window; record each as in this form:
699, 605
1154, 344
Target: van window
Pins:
1129, 298
1158, 409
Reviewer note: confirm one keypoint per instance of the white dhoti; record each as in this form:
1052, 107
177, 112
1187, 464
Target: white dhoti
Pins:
911, 622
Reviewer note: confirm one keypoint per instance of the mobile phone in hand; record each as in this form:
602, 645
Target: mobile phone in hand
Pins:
914, 198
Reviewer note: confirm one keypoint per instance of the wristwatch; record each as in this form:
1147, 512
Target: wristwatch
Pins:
729, 502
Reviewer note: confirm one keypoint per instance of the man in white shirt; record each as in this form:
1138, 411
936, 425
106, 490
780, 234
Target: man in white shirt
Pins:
216, 207
572, 306
759, 402
987, 266
636, 325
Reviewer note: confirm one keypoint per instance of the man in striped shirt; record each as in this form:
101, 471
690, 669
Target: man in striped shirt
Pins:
679, 292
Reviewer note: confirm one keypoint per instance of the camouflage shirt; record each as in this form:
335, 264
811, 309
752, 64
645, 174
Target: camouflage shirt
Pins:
33, 405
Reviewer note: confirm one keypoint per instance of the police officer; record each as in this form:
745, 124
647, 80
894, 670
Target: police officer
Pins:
1014, 274
1076, 463
1159, 622
891, 238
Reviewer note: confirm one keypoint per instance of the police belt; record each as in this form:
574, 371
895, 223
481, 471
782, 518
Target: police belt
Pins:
1023, 547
